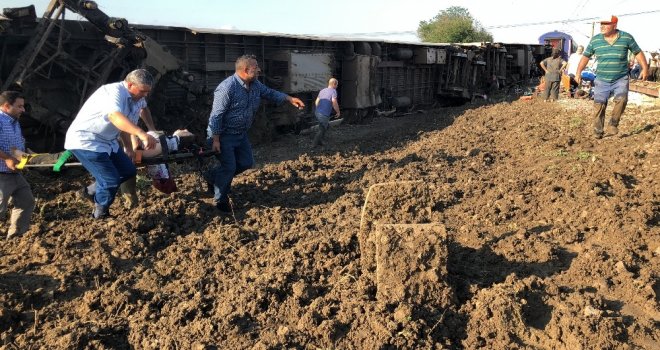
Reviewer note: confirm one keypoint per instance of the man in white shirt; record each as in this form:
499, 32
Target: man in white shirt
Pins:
571, 67
112, 111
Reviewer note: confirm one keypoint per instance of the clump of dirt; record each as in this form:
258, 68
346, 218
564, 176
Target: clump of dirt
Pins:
486, 226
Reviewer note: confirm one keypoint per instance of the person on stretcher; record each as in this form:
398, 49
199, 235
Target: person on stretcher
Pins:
159, 173
179, 140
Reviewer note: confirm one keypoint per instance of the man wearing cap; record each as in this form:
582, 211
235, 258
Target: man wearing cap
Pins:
611, 47
552, 66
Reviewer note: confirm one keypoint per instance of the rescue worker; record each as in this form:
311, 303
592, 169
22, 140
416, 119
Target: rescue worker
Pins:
12, 183
325, 103
611, 46
112, 110
235, 103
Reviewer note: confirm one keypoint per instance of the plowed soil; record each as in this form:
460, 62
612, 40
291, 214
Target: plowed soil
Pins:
502, 226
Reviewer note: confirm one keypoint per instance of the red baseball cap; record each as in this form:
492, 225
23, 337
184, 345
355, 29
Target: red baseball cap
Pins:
609, 20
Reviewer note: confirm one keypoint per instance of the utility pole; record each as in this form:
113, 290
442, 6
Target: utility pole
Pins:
593, 26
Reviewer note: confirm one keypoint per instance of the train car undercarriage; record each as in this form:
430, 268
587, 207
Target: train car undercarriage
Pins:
58, 63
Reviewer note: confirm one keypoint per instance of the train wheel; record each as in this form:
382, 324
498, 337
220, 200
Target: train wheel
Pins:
351, 116
349, 49
358, 116
362, 48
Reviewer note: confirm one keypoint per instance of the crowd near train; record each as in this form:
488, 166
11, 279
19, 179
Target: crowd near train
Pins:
58, 63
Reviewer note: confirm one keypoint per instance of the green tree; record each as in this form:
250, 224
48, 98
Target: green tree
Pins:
453, 25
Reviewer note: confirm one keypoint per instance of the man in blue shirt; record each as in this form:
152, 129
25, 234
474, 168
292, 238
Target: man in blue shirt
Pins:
325, 103
611, 48
235, 103
12, 183
112, 111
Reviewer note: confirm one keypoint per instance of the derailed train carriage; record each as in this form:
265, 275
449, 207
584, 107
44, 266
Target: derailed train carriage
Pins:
58, 63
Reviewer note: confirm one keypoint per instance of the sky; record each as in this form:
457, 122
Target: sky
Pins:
510, 21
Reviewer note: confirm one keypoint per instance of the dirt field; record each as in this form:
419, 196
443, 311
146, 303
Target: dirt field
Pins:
498, 227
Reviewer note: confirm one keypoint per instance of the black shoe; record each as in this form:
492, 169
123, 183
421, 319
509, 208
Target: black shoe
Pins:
223, 206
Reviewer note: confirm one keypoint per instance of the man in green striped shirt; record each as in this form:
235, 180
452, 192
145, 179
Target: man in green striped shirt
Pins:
611, 48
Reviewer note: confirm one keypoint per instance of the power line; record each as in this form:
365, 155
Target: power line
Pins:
586, 2
564, 21
579, 31
578, 7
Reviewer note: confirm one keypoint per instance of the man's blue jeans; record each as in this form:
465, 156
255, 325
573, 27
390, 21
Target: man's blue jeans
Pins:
324, 120
235, 157
602, 91
109, 171
618, 88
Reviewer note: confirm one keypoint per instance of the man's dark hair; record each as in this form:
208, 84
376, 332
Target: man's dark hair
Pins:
9, 97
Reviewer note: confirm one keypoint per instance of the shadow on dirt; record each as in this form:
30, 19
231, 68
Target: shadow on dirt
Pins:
31, 290
471, 270
377, 136
298, 192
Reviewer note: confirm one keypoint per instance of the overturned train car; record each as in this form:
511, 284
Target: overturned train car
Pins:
58, 63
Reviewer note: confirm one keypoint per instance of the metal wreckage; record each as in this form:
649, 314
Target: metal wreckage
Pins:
58, 62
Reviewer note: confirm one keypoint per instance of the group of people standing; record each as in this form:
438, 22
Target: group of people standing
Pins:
611, 46
112, 113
